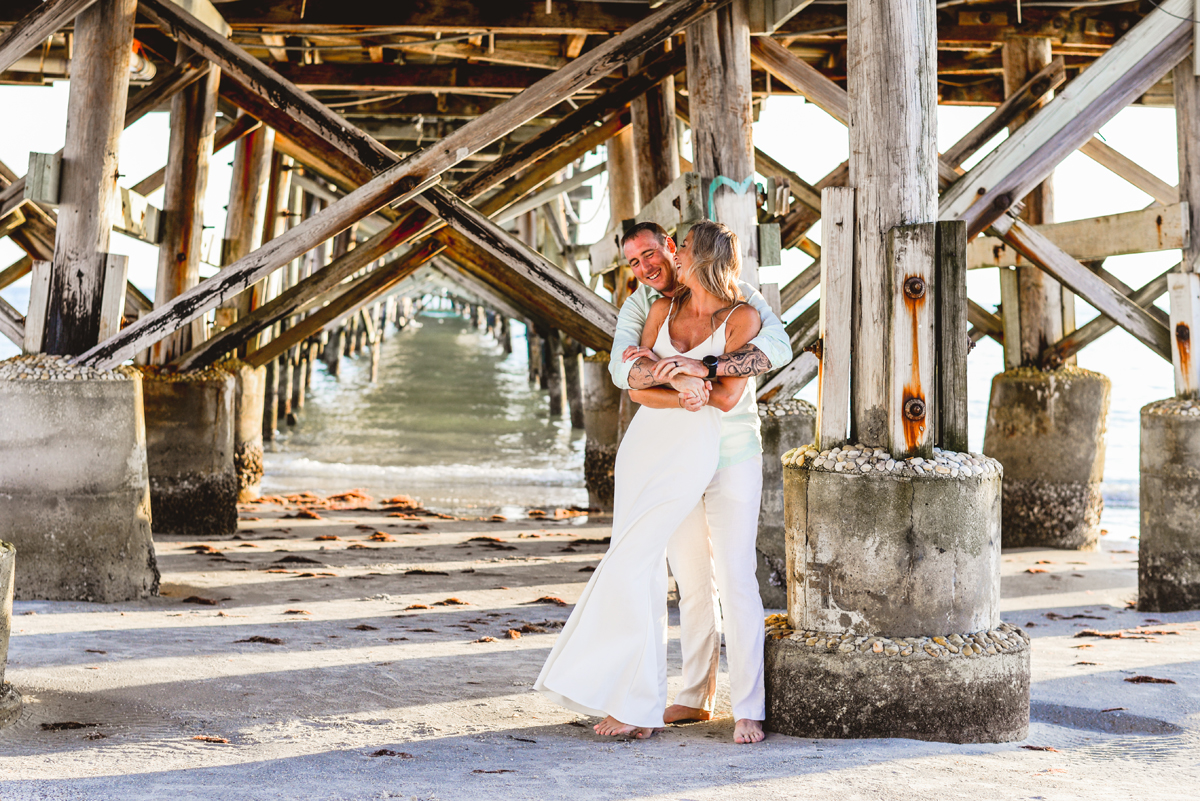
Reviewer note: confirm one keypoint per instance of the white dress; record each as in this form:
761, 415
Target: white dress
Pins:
611, 658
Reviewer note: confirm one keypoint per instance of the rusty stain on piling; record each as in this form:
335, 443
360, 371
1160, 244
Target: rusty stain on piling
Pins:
1158, 221
1183, 341
913, 414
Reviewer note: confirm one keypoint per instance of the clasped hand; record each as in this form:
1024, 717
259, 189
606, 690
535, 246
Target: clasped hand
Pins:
686, 376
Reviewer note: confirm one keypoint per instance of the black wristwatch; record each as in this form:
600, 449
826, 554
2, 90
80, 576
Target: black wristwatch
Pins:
711, 363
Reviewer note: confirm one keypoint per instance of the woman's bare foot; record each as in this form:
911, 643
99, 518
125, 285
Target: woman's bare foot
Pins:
748, 731
611, 727
678, 712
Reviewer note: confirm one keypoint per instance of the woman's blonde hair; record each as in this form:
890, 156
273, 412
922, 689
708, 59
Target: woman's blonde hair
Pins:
716, 261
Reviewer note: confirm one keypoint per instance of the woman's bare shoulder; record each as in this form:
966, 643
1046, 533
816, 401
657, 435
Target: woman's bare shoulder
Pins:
745, 316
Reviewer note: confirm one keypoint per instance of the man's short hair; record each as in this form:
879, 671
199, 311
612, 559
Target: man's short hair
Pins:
659, 232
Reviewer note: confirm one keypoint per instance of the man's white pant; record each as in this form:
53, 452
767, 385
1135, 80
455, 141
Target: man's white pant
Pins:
712, 557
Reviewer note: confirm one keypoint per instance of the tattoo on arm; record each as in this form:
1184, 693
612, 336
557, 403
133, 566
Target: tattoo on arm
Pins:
744, 362
641, 375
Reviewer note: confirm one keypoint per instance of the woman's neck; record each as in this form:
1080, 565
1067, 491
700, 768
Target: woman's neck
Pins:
702, 302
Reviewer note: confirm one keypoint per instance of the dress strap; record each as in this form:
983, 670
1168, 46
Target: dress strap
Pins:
731, 311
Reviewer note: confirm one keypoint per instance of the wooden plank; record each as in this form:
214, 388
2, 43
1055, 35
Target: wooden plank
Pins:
721, 107
39, 297
135, 217
784, 384
1015, 106
798, 288
112, 303
1076, 340
16, 271
770, 249
950, 338
12, 221
804, 331
1187, 134
1135, 63
770, 293
655, 138
32, 30
676, 208
576, 309
549, 193
496, 55
42, 178
911, 256
362, 292
1134, 173
1086, 284
783, 66
1010, 315
1144, 231
892, 70
225, 136
12, 324
401, 182
986, 323
1184, 292
96, 108
837, 294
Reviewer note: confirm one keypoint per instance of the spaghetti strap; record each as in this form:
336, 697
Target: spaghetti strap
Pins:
731, 311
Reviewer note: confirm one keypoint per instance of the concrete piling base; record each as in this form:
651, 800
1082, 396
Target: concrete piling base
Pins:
785, 425
190, 444
1169, 546
10, 699
74, 489
893, 626
1047, 429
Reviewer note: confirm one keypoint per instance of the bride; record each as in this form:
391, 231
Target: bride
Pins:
611, 658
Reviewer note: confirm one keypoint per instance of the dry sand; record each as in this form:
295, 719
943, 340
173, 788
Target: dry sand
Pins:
358, 673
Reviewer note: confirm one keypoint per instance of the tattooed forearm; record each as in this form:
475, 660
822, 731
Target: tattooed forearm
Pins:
743, 362
641, 375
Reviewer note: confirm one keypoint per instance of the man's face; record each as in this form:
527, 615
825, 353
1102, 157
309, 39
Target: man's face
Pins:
652, 264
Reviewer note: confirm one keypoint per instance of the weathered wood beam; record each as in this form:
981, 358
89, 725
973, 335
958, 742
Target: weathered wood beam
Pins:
16, 271
1135, 63
1077, 340
1145, 231
363, 291
415, 78
496, 55
549, 193
785, 383
268, 84
1085, 283
837, 292
950, 340
465, 281
1121, 165
96, 107
402, 181
36, 27
655, 138
985, 322
12, 323
572, 307
244, 125
801, 76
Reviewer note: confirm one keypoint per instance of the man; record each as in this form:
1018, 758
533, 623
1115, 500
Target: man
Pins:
724, 517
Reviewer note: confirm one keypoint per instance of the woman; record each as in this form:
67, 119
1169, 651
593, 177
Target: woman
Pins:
610, 659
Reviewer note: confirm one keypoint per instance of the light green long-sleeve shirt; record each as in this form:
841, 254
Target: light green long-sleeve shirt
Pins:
740, 438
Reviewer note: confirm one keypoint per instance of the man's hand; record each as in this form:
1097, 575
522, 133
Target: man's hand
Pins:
693, 392
674, 366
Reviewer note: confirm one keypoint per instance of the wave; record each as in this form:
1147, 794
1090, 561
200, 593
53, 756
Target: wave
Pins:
277, 467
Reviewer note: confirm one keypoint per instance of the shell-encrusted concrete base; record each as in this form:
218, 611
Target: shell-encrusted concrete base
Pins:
10, 705
969, 688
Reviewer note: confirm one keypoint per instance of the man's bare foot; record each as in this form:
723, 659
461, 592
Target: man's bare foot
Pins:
678, 712
748, 731
611, 727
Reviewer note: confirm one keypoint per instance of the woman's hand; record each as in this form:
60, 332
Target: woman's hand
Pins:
668, 369
635, 352
693, 392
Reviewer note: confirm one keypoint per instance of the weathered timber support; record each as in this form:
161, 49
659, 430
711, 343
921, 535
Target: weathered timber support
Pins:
573, 379
193, 124
785, 424
1049, 502
190, 444
892, 540
1169, 545
719, 95
103, 42
270, 420
555, 379
249, 197
74, 487
601, 410
248, 428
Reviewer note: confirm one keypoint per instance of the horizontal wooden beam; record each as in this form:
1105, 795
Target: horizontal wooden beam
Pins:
568, 303
417, 78
1085, 283
1135, 63
36, 27
1145, 231
398, 183
1080, 338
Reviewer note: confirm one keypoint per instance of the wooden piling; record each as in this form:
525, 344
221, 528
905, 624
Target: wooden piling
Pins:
96, 108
